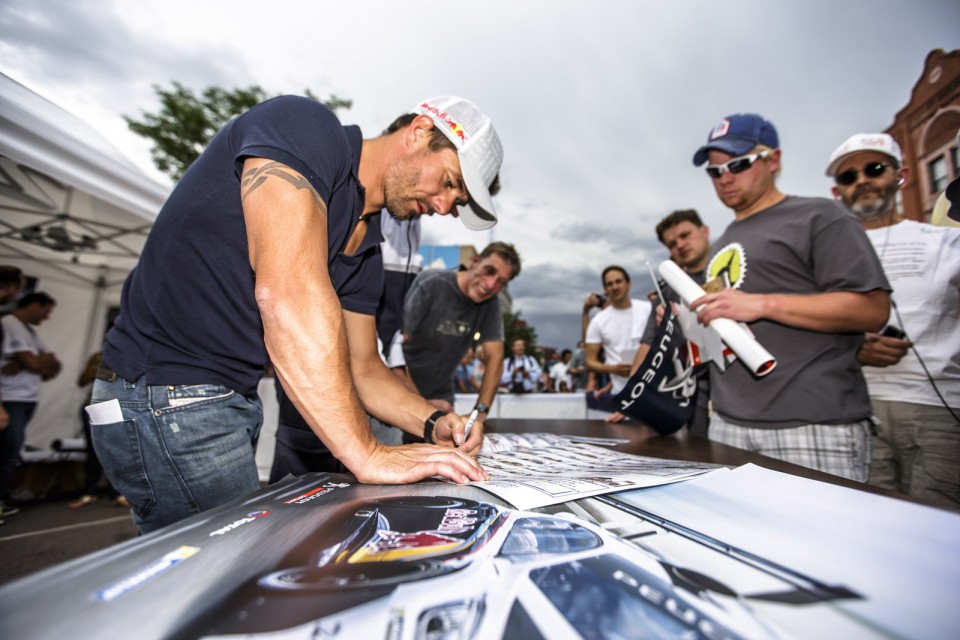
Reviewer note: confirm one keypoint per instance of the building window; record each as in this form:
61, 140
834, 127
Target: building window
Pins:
938, 174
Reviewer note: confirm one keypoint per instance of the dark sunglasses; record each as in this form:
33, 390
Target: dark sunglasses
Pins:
871, 170
736, 165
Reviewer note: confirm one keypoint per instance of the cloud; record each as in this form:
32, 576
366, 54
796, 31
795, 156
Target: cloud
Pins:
617, 239
81, 45
600, 105
557, 330
562, 285
43, 39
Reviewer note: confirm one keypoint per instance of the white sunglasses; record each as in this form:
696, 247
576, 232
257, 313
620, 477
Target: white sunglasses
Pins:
736, 165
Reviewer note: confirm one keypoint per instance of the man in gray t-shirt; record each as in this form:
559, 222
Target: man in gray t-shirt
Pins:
443, 313
802, 274
688, 239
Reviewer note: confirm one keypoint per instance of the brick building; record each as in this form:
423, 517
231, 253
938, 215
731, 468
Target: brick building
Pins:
927, 132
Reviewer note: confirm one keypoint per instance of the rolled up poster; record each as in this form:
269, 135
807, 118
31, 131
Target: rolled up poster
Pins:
734, 335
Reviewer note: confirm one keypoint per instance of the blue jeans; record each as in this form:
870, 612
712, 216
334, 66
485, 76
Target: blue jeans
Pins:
180, 450
11, 441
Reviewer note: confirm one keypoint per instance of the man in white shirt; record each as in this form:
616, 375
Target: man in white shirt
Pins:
913, 366
560, 373
616, 331
26, 363
11, 281
521, 372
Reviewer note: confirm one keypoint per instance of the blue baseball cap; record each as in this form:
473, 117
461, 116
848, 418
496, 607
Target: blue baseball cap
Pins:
737, 135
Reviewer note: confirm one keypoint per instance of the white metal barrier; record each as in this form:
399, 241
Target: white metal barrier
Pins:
570, 406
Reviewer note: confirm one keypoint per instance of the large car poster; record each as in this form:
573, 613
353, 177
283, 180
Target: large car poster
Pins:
322, 557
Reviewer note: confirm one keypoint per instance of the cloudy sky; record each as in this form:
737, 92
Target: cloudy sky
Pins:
600, 104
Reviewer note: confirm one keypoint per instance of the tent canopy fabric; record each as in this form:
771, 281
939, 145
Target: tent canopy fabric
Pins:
41, 135
74, 214
67, 196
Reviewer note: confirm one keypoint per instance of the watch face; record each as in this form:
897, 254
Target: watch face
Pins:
482, 408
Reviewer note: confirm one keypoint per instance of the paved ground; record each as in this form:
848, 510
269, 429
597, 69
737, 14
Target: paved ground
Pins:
47, 533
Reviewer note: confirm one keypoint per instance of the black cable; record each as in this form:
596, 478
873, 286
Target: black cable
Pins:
913, 347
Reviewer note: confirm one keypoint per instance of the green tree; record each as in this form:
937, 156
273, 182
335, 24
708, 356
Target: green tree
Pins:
516, 327
186, 122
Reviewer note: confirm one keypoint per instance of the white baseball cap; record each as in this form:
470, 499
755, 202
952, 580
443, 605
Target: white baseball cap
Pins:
478, 148
882, 142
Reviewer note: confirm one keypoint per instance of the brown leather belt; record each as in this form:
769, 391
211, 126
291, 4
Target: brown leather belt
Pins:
106, 374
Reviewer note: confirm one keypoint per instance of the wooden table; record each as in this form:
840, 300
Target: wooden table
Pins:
644, 441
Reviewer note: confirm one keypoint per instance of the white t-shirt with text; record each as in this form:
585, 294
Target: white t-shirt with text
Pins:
922, 263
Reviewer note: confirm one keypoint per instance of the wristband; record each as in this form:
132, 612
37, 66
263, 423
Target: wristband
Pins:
429, 424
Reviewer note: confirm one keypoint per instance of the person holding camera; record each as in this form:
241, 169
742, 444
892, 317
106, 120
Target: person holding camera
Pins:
521, 372
912, 367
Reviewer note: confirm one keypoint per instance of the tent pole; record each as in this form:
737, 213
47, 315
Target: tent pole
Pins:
92, 344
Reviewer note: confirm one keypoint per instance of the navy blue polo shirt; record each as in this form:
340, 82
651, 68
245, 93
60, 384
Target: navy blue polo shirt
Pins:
187, 311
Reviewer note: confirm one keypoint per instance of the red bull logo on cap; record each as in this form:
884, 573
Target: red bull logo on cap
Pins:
443, 116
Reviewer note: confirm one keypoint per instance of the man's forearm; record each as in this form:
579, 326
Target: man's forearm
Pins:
490, 382
403, 375
303, 325
834, 311
309, 353
592, 358
49, 364
34, 363
828, 312
390, 399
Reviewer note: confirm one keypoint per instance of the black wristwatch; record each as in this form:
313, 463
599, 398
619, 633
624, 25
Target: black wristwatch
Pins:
481, 408
429, 424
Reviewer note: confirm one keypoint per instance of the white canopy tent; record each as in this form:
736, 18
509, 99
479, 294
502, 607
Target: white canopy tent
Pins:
74, 213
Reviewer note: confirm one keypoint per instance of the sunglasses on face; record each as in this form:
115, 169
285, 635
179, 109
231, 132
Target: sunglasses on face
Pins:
735, 165
871, 170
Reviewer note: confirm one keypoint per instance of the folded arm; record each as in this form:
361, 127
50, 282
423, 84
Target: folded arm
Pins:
46, 364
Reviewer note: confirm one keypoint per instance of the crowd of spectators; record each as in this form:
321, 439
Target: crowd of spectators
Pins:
860, 306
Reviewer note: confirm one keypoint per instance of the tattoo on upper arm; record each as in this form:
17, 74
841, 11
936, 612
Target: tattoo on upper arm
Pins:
256, 176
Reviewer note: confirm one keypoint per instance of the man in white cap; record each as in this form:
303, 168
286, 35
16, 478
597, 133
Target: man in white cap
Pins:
800, 272
913, 366
268, 249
